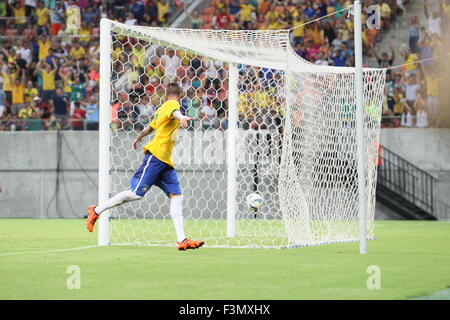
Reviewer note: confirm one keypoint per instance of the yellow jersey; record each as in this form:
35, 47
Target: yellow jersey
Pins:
77, 54
8, 81
44, 47
19, 14
30, 94
299, 30
48, 80
18, 94
43, 15
246, 12
166, 132
84, 34
410, 62
163, 8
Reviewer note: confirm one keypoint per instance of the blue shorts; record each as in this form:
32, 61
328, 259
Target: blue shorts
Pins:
155, 172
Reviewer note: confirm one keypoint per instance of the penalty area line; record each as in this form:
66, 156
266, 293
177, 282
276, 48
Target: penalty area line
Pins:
47, 251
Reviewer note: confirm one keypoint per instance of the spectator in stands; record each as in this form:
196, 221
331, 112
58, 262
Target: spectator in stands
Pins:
77, 52
407, 118
73, 62
92, 114
339, 57
44, 44
18, 97
322, 59
26, 53
424, 46
56, 19
385, 61
20, 62
222, 19
48, 73
434, 20
8, 74
26, 111
30, 7
30, 92
388, 108
43, 18
90, 15
43, 108
131, 20
79, 114
299, 29
414, 33
409, 58
138, 10
77, 92
385, 11
18, 10
163, 10
411, 87
60, 107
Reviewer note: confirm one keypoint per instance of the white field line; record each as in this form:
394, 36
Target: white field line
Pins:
46, 251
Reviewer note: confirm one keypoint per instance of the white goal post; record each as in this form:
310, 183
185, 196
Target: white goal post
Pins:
265, 121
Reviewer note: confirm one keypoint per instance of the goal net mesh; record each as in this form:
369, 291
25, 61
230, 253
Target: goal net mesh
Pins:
296, 139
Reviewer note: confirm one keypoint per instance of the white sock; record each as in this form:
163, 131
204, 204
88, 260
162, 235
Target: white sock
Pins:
176, 206
118, 199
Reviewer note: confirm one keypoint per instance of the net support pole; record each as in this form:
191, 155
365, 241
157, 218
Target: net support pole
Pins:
360, 148
233, 75
104, 149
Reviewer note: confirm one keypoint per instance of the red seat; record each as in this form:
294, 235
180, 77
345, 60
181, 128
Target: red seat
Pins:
11, 32
28, 33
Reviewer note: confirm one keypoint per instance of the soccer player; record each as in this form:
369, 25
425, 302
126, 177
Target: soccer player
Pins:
157, 167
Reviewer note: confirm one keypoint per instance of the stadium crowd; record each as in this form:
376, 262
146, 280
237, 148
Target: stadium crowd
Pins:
49, 69
49, 58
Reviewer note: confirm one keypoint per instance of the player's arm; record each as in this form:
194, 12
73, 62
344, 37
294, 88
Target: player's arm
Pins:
145, 132
183, 119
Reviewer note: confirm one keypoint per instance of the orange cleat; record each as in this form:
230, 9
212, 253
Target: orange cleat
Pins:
91, 218
189, 244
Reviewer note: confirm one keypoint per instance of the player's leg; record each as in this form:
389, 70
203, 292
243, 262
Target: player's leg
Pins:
118, 199
176, 213
143, 179
168, 182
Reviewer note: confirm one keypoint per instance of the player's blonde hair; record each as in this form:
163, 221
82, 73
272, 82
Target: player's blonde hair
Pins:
173, 89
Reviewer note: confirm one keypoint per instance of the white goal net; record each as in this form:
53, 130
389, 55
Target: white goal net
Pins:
265, 121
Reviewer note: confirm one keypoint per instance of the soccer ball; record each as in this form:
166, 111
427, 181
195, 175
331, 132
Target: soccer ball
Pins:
254, 201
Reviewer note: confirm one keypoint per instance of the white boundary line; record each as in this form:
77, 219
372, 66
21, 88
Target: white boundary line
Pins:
46, 251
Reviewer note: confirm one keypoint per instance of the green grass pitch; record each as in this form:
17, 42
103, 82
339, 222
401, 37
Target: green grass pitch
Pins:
414, 259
